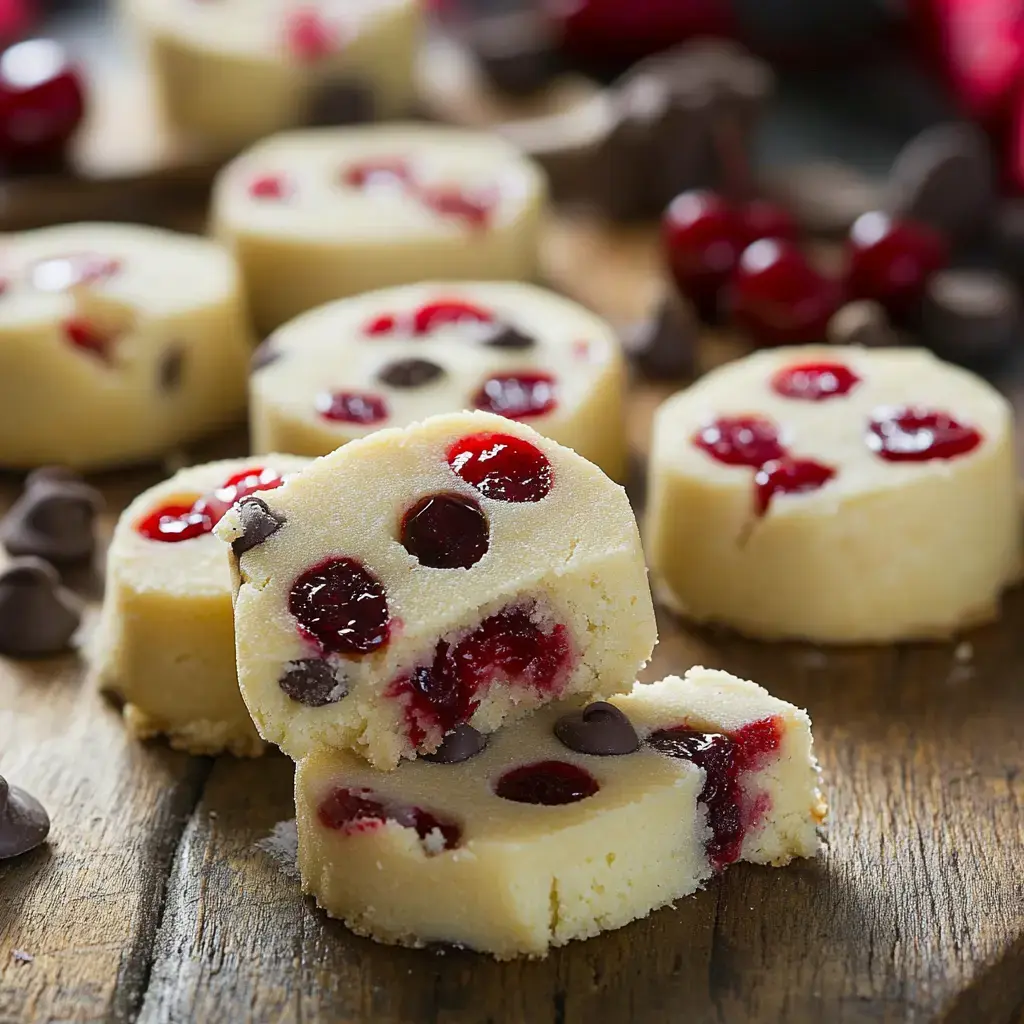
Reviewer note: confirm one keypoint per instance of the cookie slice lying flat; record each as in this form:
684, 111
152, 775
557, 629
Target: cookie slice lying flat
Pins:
462, 570
165, 644
575, 821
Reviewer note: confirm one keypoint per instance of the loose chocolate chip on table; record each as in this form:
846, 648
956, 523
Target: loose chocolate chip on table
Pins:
599, 728
970, 315
54, 517
24, 823
862, 322
312, 682
334, 101
259, 521
171, 368
945, 178
265, 353
38, 617
462, 743
410, 373
506, 336
665, 346
515, 51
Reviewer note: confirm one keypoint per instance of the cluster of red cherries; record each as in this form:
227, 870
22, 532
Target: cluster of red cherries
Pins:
741, 263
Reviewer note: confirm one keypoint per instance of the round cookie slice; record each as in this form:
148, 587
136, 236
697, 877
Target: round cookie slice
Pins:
463, 570
573, 822
835, 494
395, 356
322, 214
165, 643
232, 71
117, 344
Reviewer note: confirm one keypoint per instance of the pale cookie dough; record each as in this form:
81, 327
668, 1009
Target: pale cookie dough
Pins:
324, 214
165, 642
698, 773
117, 344
464, 569
392, 357
835, 494
232, 71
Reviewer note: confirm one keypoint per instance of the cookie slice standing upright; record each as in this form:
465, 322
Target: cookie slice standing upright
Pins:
464, 570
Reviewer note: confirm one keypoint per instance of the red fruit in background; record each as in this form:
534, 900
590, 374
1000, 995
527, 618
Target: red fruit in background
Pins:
42, 101
763, 219
891, 260
778, 297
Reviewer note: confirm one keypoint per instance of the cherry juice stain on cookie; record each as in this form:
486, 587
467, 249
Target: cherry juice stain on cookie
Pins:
355, 811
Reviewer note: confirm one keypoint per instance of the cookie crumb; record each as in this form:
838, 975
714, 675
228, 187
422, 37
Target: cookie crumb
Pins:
964, 652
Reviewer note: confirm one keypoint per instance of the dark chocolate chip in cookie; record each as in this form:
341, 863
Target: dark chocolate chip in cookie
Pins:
599, 728
462, 743
861, 322
24, 823
410, 373
665, 346
38, 617
970, 315
265, 353
171, 368
259, 521
54, 518
334, 101
312, 682
505, 336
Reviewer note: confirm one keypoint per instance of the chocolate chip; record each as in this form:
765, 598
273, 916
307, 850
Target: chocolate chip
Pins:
970, 315
410, 373
506, 336
825, 197
38, 617
599, 728
259, 521
171, 368
462, 743
24, 823
334, 101
862, 322
265, 353
945, 178
665, 346
54, 518
515, 51
312, 682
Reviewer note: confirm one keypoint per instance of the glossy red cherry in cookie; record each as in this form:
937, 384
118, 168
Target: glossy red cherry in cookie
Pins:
741, 440
445, 531
814, 382
352, 407
361, 810
42, 101
517, 396
788, 476
549, 783
919, 435
174, 522
502, 467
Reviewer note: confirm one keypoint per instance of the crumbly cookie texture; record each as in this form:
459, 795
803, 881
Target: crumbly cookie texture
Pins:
835, 494
125, 342
323, 214
531, 843
165, 642
462, 570
234, 71
391, 357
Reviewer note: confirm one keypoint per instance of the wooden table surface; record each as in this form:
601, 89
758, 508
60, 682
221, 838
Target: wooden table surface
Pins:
155, 901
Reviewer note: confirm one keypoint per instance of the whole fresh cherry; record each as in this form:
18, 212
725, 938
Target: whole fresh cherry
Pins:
778, 297
42, 101
890, 261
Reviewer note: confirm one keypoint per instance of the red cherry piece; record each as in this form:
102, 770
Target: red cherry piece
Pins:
891, 261
354, 811
445, 531
508, 647
87, 336
81, 268
432, 315
379, 325
741, 441
762, 219
702, 237
309, 36
451, 201
342, 606
270, 187
517, 396
241, 485
779, 297
351, 407
788, 476
384, 171
550, 783
42, 101
502, 467
724, 759
919, 435
814, 382
174, 522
